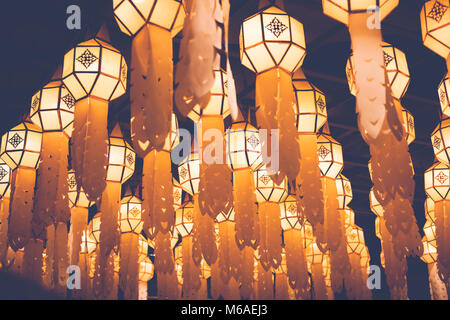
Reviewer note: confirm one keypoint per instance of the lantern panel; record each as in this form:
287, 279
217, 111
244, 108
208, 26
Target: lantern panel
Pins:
429, 209
88, 243
349, 216
5, 180
329, 152
76, 197
290, 218
430, 232
225, 216
266, 189
121, 158
189, 173
375, 205
440, 139
435, 24
437, 182
184, 219
344, 191
94, 227
21, 146
130, 215
243, 146
146, 270
173, 138
355, 240
307, 233
444, 95
177, 194
429, 251
314, 255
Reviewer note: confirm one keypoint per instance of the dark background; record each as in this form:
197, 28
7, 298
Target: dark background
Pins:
34, 39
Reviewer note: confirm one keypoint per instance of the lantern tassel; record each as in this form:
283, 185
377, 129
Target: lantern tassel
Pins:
246, 267
228, 252
90, 145
297, 270
78, 224
270, 235
4, 216
164, 262
265, 283
129, 266
32, 260
191, 271
318, 280
442, 212
204, 235
281, 287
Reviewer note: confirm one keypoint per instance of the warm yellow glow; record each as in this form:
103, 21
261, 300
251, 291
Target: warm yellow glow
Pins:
310, 107
132, 15
225, 216
88, 243
349, 215
173, 137
184, 219
436, 27
146, 270
429, 251
243, 146
330, 156
355, 240
94, 227
21, 146
267, 189
95, 68
344, 191
437, 182
289, 215
76, 197
270, 39
440, 140
218, 103
430, 232
121, 158
189, 173
444, 95
5, 180
130, 215
429, 209
143, 248
177, 194
340, 9
375, 205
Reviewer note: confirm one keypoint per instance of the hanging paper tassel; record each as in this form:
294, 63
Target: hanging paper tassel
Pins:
246, 269
204, 234
270, 235
264, 283
129, 267
442, 212
229, 254
191, 272
297, 271
437, 286
4, 216
32, 260
281, 287
78, 224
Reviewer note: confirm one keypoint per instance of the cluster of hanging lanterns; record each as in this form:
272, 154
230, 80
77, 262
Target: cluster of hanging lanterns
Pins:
254, 226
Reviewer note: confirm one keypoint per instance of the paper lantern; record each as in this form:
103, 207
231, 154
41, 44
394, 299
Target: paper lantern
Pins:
272, 45
315, 260
130, 214
290, 218
95, 73
330, 156
5, 191
409, 127
429, 209
349, 217
342, 9
355, 240
437, 183
435, 24
266, 189
344, 191
444, 95
429, 251
396, 68
177, 194
77, 198
184, 219
152, 24
430, 232
375, 205
146, 270
440, 139
189, 173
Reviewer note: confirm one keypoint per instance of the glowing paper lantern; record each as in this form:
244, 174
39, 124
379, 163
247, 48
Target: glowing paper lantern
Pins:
429, 209
344, 191
152, 24
315, 259
311, 113
95, 73
272, 45
444, 95
330, 156
435, 23
5, 193
440, 139
20, 150
243, 156
146, 271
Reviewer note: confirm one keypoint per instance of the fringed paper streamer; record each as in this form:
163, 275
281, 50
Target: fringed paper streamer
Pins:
297, 269
275, 99
246, 269
151, 88
308, 183
78, 224
442, 212
318, 281
168, 286
148, 184
215, 188
84, 264
22, 192
17, 265
191, 271
61, 258
49, 257
437, 286
204, 236
142, 290
32, 260
229, 254
164, 260
89, 148
281, 287
129, 266
245, 208
194, 75
51, 201
269, 235
264, 283
4, 217
356, 288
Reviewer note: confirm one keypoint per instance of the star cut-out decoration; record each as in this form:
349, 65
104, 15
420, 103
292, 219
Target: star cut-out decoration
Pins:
183, 172
72, 182
176, 195
436, 142
321, 104
135, 211
323, 152
130, 159
276, 27
443, 97
347, 188
441, 177
68, 100
253, 141
15, 140
292, 209
3, 173
35, 103
265, 179
87, 58
437, 12
188, 215
387, 59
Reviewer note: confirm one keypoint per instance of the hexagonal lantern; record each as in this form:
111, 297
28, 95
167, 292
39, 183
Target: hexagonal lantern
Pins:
132, 15
330, 156
310, 108
271, 39
440, 139
435, 24
5, 180
341, 9
375, 205
184, 218
218, 103
146, 270
344, 191
429, 229
429, 251
409, 126
290, 218
355, 240
21, 146
189, 173
444, 95
267, 190
95, 68
396, 67
243, 146
437, 181
76, 197
121, 157
94, 227
429, 209
349, 216
130, 215
52, 108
